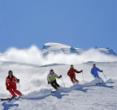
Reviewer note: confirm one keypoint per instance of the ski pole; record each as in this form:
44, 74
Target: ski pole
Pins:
83, 77
63, 82
104, 75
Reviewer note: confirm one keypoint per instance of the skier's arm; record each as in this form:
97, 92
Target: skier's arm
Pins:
78, 71
7, 83
99, 70
17, 80
57, 76
48, 79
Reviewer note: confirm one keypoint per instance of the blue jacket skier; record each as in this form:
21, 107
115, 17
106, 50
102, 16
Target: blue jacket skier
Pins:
95, 70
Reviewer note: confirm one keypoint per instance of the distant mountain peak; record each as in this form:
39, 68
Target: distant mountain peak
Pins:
55, 45
57, 48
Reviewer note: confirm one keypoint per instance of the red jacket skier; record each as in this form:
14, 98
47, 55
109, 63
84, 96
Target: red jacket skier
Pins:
72, 75
11, 84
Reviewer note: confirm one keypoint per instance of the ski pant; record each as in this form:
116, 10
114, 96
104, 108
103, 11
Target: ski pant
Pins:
99, 80
54, 84
73, 79
14, 92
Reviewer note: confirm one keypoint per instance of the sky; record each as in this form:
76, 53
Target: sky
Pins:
80, 23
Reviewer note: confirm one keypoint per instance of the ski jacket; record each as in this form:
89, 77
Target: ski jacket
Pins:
11, 82
52, 77
94, 71
72, 72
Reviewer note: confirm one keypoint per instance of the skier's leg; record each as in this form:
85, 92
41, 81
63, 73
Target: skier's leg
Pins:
77, 81
12, 92
100, 80
53, 85
72, 79
57, 85
18, 92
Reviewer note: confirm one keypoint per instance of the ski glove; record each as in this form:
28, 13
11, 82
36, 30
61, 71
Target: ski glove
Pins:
7, 88
18, 80
60, 76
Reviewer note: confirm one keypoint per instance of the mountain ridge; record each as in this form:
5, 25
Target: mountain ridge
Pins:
55, 48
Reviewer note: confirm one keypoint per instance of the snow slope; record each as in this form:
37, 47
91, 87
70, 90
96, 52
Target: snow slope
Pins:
32, 65
95, 98
37, 91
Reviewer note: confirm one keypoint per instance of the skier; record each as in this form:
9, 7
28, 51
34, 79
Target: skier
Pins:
52, 79
94, 72
71, 73
11, 86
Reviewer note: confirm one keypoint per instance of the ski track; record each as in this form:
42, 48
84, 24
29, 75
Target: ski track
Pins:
69, 98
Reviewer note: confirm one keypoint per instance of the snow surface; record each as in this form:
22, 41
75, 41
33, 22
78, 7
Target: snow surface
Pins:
37, 93
31, 66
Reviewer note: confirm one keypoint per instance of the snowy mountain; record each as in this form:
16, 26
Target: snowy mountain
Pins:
58, 48
107, 51
56, 53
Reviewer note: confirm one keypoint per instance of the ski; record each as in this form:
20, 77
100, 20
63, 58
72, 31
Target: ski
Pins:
10, 99
104, 85
54, 91
6, 99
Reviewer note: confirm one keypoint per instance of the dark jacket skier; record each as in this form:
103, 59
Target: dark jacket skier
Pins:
72, 75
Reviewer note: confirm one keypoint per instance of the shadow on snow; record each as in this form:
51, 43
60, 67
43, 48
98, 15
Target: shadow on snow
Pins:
44, 93
38, 95
7, 106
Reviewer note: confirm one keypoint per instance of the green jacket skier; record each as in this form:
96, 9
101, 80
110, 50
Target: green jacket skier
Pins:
51, 78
